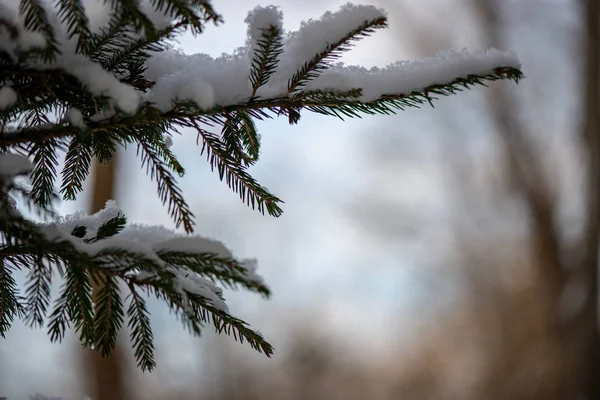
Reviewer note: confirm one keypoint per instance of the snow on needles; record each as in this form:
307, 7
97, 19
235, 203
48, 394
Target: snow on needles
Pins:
224, 80
75, 117
408, 76
228, 74
14, 164
258, 20
8, 97
314, 35
90, 73
149, 242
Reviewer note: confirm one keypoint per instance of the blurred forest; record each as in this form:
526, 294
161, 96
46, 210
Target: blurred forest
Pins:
513, 224
513, 230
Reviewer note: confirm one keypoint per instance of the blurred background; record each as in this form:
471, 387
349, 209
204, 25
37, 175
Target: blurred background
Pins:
418, 254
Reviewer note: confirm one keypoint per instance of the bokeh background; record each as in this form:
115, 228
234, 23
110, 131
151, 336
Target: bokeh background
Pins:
401, 267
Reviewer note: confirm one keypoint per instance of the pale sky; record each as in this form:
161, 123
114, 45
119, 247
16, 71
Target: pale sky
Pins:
322, 258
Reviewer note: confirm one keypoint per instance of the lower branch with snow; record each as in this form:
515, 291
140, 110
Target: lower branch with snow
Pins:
128, 263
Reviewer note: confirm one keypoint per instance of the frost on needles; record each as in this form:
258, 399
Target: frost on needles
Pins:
84, 77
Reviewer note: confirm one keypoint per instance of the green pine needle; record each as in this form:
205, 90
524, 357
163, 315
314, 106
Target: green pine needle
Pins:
266, 58
72, 14
10, 307
109, 315
153, 159
141, 334
236, 176
36, 19
77, 166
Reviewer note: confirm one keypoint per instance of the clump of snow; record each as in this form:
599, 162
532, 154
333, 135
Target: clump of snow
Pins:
259, 19
150, 234
408, 76
159, 19
14, 164
314, 35
163, 240
251, 266
92, 222
75, 118
193, 245
8, 97
57, 232
25, 40
98, 13
103, 114
188, 283
149, 242
179, 86
101, 82
224, 80
228, 74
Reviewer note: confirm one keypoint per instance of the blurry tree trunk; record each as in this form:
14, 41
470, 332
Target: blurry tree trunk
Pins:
524, 165
588, 326
575, 342
578, 338
104, 375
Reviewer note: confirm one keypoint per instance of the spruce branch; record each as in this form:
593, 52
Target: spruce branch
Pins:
146, 116
225, 323
10, 307
103, 144
236, 176
58, 322
99, 44
45, 159
187, 11
40, 93
72, 13
167, 155
133, 47
224, 270
266, 58
109, 228
76, 301
109, 314
193, 310
37, 292
141, 334
240, 137
36, 19
77, 166
248, 135
321, 61
152, 153
131, 10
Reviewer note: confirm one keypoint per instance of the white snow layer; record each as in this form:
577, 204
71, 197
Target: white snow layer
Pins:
224, 80
258, 20
409, 76
8, 97
149, 242
75, 118
14, 164
228, 74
